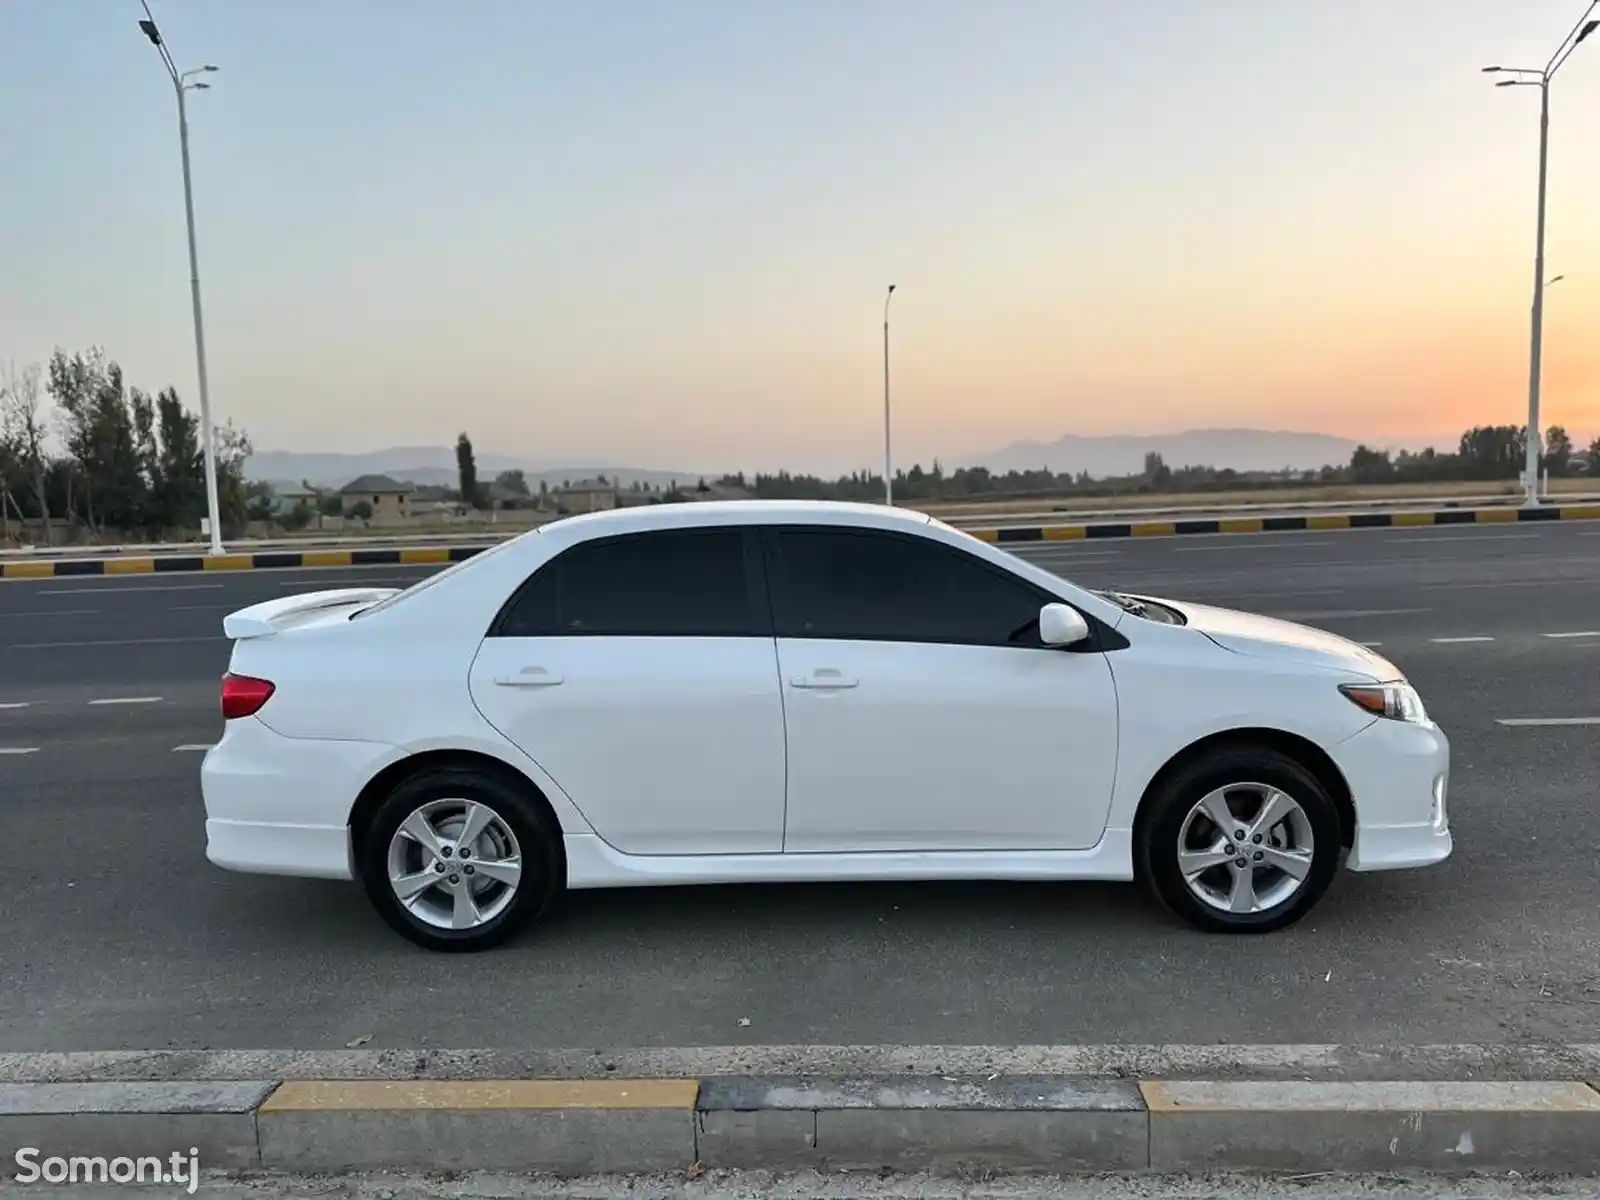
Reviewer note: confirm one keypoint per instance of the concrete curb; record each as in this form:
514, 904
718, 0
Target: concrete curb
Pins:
1002, 534
929, 1123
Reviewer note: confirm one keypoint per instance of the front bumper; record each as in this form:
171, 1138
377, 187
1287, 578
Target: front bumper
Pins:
1399, 777
281, 806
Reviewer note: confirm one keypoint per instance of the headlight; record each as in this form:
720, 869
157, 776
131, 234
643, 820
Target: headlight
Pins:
1397, 701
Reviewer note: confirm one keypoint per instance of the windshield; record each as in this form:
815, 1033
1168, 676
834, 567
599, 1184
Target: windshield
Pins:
428, 581
1149, 610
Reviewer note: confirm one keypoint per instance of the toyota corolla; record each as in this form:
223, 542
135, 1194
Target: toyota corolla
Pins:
771, 692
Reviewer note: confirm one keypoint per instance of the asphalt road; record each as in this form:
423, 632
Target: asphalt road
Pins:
120, 934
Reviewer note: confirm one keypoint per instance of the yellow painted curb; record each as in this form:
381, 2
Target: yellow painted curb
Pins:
1241, 525
1411, 519
1581, 512
325, 558
27, 570
435, 1094
426, 554
1063, 533
1494, 516
229, 562
1331, 521
985, 535
130, 566
1154, 529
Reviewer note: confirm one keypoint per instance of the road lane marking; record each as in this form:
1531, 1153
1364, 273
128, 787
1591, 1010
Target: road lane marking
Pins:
1251, 546
1372, 644
1467, 537
1456, 641
16, 704
195, 746
88, 591
1329, 614
1574, 634
17, 750
128, 700
1529, 722
115, 642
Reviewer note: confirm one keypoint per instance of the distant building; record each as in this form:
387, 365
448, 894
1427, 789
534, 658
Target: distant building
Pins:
286, 497
388, 498
587, 495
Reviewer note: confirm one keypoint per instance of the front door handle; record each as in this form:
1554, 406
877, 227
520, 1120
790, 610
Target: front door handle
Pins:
530, 677
825, 678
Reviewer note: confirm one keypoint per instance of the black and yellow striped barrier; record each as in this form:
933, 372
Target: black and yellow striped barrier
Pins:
1300, 523
1004, 535
265, 560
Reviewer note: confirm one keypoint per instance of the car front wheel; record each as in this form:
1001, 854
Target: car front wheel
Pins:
458, 860
1243, 840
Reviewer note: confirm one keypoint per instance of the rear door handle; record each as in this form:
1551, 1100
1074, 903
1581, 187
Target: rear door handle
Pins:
530, 677
824, 678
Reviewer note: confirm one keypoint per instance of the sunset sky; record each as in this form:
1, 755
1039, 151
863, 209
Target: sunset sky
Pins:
658, 232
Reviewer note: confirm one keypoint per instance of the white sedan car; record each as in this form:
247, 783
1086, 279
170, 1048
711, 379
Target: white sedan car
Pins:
772, 692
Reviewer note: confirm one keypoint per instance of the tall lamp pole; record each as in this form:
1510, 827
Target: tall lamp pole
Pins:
888, 458
1541, 78
183, 82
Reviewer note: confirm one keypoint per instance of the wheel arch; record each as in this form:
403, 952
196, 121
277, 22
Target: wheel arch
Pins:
1302, 750
386, 780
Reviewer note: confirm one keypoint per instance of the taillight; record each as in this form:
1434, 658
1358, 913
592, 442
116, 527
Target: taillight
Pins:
243, 695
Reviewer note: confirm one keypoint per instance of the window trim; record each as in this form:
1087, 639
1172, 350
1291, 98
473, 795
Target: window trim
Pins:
1102, 637
758, 607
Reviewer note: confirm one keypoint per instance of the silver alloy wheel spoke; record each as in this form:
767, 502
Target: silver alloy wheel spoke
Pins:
1197, 862
1245, 848
502, 870
1242, 897
455, 864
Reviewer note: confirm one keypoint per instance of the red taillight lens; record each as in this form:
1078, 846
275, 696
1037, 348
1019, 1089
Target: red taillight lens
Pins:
243, 695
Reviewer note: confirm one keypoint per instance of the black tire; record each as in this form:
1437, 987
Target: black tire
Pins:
538, 840
1156, 840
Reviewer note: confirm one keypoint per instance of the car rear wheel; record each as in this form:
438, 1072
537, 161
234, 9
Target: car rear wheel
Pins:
1242, 840
459, 860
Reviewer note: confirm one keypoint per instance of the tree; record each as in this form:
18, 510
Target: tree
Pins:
178, 474
297, 518
361, 510
467, 469
514, 482
1557, 450
232, 447
331, 505
23, 431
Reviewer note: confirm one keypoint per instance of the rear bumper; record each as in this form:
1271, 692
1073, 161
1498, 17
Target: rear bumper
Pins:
281, 806
1399, 777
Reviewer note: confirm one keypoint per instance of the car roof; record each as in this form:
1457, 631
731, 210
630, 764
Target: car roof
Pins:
735, 512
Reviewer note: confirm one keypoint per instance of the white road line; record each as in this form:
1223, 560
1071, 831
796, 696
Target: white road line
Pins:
19, 749
1249, 546
1526, 722
16, 704
196, 746
97, 591
1574, 634
115, 642
1466, 537
128, 700
1372, 644
1329, 614
1455, 641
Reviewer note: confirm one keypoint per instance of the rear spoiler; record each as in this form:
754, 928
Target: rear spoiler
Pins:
268, 617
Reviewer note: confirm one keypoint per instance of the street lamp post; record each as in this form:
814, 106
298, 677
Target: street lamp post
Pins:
888, 458
183, 82
1540, 78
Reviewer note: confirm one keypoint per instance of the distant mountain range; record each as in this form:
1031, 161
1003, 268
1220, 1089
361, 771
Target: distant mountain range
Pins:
425, 465
1241, 449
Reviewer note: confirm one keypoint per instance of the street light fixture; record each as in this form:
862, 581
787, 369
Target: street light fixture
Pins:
1540, 78
888, 461
182, 82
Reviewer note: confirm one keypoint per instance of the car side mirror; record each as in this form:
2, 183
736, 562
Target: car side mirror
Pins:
1062, 625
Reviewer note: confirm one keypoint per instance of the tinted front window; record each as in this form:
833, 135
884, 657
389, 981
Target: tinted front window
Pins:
844, 584
682, 583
